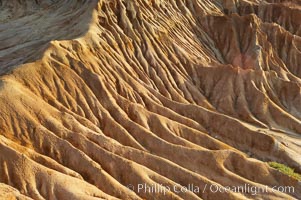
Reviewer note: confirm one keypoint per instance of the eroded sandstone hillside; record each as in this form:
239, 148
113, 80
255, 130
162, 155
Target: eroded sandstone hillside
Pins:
99, 96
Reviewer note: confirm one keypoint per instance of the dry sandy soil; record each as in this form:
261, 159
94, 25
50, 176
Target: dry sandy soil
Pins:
97, 95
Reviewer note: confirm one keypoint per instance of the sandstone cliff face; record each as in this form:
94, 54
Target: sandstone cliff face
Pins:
97, 95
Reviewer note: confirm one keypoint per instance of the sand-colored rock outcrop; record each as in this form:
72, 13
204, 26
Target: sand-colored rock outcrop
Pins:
100, 95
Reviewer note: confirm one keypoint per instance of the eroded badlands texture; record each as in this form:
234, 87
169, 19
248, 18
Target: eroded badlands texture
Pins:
96, 95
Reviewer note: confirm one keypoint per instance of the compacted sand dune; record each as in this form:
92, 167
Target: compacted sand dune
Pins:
100, 96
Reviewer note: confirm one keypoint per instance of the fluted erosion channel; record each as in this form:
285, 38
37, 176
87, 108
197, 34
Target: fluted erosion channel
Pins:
149, 99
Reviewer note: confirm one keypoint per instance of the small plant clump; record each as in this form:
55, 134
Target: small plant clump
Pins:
285, 170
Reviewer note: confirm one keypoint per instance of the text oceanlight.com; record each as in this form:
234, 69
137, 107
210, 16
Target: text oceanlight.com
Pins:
211, 188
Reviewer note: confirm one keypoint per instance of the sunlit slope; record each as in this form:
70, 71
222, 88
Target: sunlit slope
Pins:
99, 95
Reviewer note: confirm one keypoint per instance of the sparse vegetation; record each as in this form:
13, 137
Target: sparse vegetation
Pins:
285, 169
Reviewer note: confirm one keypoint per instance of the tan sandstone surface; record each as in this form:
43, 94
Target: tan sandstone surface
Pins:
100, 95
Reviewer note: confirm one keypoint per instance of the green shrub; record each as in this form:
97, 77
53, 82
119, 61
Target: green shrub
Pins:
285, 170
